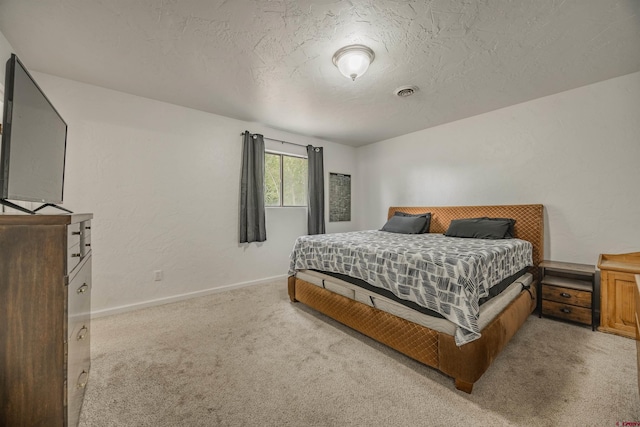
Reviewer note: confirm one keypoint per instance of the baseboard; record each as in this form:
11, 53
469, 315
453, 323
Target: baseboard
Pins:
181, 297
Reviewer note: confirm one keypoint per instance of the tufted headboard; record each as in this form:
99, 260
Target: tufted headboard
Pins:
529, 221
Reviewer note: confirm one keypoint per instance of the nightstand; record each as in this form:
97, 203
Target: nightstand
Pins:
567, 292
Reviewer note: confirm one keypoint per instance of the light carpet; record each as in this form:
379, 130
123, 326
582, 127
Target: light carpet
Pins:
249, 357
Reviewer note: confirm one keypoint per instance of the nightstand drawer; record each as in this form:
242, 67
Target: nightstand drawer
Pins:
566, 296
566, 311
567, 291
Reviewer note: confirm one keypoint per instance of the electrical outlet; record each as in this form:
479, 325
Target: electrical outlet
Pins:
157, 275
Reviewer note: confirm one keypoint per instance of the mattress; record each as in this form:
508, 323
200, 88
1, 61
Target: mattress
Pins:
448, 275
487, 311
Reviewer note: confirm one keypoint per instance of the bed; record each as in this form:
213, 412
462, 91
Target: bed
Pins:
458, 352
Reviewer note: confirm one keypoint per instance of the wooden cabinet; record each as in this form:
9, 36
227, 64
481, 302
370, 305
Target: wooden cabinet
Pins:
567, 291
617, 283
45, 301
637, 316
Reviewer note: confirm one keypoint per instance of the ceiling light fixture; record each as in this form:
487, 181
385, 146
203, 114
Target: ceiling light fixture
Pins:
353, 60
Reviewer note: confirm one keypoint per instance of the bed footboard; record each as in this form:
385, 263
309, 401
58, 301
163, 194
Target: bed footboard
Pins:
409, 338
465, 364
291, 283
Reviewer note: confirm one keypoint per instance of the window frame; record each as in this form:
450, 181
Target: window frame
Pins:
281, 155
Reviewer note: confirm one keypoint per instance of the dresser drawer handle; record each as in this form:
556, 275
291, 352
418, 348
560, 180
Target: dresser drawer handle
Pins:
82, 289
82, 379
87, 227
82, 333
565, 310
87, 244
566, 295
75, 255
75, 233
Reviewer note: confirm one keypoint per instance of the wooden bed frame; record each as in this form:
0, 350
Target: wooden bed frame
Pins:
466, 363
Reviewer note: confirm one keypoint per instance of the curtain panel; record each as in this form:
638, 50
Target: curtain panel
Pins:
252, 213
315, 193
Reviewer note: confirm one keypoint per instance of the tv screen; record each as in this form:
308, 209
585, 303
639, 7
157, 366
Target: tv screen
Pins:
34, 140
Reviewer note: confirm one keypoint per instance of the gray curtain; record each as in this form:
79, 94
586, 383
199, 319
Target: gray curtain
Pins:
315, 210
252, 227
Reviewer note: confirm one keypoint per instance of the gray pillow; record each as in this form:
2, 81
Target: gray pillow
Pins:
510, 233
427, 215
405, 224
479, 228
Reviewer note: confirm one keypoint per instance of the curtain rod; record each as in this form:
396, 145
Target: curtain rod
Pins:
279, 140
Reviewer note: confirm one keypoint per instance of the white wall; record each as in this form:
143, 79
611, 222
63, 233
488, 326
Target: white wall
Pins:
5, 53
576, 152
163, 183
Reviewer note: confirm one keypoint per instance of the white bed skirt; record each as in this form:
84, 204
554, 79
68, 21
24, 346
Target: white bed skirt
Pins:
488, 310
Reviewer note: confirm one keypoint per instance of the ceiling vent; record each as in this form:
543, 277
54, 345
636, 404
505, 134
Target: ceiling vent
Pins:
405, 91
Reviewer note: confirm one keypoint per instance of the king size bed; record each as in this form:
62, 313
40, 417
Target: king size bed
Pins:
449, 302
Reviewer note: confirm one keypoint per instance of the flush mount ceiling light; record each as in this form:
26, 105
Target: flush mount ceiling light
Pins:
353, 60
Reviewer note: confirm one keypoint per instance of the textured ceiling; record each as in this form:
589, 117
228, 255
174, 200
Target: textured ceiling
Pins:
269, 61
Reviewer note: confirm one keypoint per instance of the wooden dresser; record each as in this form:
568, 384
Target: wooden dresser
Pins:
617, 283
45, 303
637, 299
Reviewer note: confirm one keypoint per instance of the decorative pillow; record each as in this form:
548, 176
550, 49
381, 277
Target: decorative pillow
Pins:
480, 228
405, 224
427, 215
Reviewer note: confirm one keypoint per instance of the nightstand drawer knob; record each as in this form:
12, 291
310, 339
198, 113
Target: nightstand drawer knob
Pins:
566, 295
565, 310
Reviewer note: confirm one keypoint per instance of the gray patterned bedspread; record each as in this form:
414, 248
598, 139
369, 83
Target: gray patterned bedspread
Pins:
445, 274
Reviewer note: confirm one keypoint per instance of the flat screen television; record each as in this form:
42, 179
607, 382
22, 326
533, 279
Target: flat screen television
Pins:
34, 142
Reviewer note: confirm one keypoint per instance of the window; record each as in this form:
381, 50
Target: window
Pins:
285, 180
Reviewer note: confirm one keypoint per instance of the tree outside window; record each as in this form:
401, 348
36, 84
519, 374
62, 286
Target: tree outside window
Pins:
285, 179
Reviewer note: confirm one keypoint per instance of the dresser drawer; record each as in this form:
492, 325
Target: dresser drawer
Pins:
566, 311
85, 238
566, 296
73, 234
76, 385
73, 257
78, 364
79, 297
78, 346
78, 243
